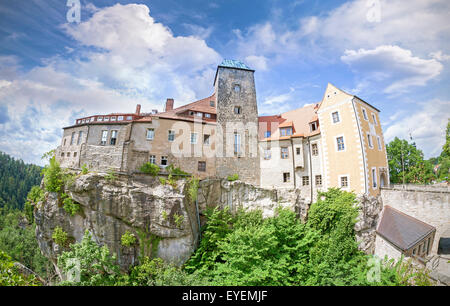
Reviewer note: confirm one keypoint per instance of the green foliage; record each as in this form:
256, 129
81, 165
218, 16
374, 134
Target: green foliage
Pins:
111, 175
84, 169
175, 172
70, 206
48, 155
246, 249
233, 177
128, 239
179, 219
154, 272
18, 239
95, 264
150, 168
406, 161
164, 215
193, 188
10, 276
16, 180
59, 236
53, 176
35, 196
162, 180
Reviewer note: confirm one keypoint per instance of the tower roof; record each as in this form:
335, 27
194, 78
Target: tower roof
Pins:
234, 64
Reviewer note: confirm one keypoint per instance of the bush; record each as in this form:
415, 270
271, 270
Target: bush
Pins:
84, 169
70, 206
150, 168
111, 175
59, 236
95, 265
233, 177
53, 176
128, 239
10, 276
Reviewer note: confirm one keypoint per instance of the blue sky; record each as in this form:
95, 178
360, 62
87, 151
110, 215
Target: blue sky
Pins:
393, 54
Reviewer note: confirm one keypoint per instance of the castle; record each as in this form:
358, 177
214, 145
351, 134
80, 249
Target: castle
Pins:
337, 142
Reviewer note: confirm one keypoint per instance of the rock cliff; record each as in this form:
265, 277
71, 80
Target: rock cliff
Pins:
160, 216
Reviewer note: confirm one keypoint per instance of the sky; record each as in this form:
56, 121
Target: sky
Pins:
55, 67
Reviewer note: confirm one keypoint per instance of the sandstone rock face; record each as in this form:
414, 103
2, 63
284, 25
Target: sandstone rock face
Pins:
369, 213
139, 204
237, 194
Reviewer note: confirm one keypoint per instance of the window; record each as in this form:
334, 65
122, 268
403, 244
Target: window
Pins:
344, 181
286, 177
68, 154
171, 136
191, 113
104, 137
80, 136
314, 149
212, 103
305, 180
199, 114
164, 161
340, 143
106, 119
298, 150
64, 142
237, 110
129, 118
284, 152
120, 118
100, 119
207, 115
267, 153
113, 118
237, 88
267, 134
379, 143
150, 134
74, 154
428, 245
202, 166
193, 138
152, 159
335, 116
365, 114
286, 131
369, 139
237, 143
374, 177
113, 138
72, 138
374, 119
206, 139
414, 251
318, 180
62, 154
83, 121
313, 126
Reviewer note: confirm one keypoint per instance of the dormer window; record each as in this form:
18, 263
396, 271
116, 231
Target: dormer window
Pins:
286, 131
199, 114
191, 113
106, 118
212, 103
129, 118
113, 118
313, 126
120, 118
207, 115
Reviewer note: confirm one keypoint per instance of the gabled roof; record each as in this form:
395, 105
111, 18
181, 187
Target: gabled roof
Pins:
202, 105
299, 119
401, 229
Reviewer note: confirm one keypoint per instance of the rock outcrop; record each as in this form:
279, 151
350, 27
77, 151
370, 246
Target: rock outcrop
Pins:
369, 213
160, 216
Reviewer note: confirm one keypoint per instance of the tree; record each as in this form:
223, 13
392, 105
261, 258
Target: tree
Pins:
406, 163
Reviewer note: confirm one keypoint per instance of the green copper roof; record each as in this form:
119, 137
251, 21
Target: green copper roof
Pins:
234, 64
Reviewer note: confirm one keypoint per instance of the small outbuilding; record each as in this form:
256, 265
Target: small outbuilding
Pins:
400, 234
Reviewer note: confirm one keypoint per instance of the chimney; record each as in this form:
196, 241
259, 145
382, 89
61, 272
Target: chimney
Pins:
138, 109
169, 105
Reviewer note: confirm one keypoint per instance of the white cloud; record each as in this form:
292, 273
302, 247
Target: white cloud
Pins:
124, 57
392, 65
426, 125
257, 62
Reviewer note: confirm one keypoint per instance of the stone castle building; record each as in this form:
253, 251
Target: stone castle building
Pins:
337, 142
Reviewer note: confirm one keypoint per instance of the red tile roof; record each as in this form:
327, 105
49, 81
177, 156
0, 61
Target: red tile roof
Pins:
202, 106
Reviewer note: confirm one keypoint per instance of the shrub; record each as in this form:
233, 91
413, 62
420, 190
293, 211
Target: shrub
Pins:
84, 169
59, 236
193, 188
70, 206
53, 176
233, 177
150, 168
179, 219
128, 239
10, 276
111, 175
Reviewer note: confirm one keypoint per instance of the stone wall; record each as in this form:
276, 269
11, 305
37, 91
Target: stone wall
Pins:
426, 203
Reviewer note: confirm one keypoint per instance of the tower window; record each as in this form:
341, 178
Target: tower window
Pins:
237, 143
237, 110
237, 88
212, 103
335, 116
344, 181
340, 143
